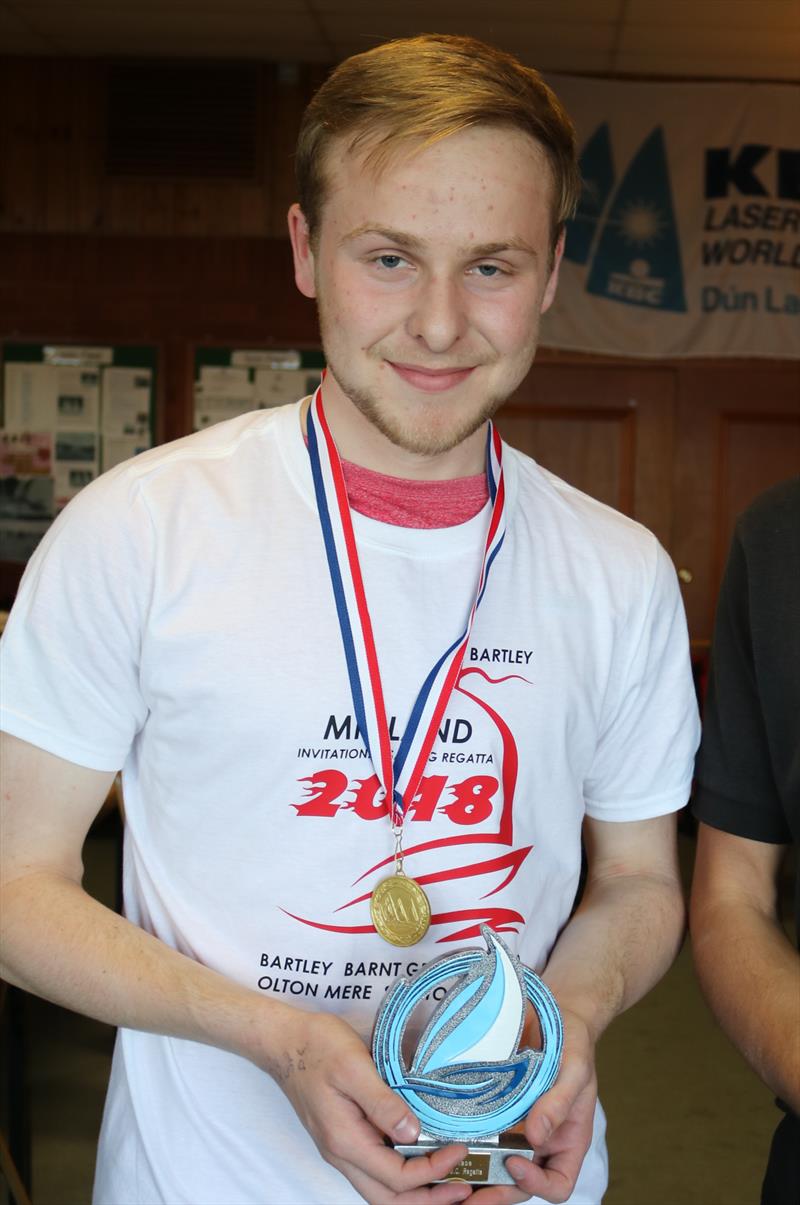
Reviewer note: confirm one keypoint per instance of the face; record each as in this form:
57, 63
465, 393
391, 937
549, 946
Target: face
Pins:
430, 277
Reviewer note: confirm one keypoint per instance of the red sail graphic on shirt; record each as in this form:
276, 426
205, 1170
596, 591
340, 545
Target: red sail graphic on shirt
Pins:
510, 767
513, 860
502, 920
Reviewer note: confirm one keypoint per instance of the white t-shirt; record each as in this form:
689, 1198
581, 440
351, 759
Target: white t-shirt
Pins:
177, 621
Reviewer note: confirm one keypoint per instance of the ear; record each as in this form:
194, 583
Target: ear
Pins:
301, 250
552, 283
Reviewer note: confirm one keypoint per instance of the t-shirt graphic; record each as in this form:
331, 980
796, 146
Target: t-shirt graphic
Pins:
472, 789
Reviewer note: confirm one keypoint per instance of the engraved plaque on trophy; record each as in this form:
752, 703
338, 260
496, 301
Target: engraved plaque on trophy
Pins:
467, 1080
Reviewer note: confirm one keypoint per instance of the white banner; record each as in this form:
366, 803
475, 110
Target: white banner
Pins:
687, 239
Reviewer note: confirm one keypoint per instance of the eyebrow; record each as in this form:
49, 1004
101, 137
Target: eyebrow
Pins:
512, 244
401, 239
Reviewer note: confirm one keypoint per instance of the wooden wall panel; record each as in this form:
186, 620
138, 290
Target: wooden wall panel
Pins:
738, 433
288, 99
608, 430
21, 188
592, 449
52, 141
63, 141
51, 132
151, 288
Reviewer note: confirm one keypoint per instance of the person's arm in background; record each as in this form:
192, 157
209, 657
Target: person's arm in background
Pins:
59, 943
748, 969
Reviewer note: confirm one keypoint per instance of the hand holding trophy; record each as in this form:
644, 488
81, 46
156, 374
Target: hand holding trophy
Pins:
468, 1081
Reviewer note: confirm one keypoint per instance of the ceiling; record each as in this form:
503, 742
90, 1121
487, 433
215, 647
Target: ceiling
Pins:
705, 39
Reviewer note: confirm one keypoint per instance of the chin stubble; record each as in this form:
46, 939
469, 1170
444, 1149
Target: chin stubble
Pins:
403, 435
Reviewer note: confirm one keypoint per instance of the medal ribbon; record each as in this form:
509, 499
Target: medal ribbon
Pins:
399, 776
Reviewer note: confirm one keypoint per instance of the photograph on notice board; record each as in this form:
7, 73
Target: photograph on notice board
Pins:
77, 396
26, 453
27, 509
68, 413
230, 383
126, 403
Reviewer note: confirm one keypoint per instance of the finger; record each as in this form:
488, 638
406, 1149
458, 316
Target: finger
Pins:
354, 1132
496, 1194
425, 1170
553, 1109
552, 1181
366, 1150
444, 1194
376, 1192
387, 1111
439, 1163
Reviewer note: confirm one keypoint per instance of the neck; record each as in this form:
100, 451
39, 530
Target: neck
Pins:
360, 442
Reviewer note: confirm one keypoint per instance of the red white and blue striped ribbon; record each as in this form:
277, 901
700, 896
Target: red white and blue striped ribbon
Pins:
400, 775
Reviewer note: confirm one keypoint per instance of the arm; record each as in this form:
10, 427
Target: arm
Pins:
619, 942
61, 944
747, 968
749, 971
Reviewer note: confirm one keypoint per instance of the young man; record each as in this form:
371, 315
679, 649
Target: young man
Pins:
748, 802
181, 621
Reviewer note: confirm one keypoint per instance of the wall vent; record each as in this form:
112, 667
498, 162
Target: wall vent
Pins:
183, 120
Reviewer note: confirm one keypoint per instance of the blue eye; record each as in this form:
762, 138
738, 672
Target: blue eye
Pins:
389, 261
488, 270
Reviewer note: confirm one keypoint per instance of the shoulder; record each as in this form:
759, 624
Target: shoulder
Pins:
585, 530
166, 490
224, 455
762, 576
214, 445
772, 520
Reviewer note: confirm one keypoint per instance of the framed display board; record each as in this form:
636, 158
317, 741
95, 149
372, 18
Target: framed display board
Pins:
67, 413
230, 382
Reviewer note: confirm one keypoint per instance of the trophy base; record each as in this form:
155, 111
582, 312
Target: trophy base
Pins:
485, 1162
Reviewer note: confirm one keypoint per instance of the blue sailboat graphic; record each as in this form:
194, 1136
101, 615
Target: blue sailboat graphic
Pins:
468, 1079
638, 259
597, 174
475, 1032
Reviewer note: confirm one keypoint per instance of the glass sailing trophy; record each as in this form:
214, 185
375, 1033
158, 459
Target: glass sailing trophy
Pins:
468, 1081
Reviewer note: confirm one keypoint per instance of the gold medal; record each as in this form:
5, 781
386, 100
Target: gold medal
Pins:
400, 910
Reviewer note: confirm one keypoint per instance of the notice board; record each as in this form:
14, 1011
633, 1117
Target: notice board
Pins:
229, 382
67, 414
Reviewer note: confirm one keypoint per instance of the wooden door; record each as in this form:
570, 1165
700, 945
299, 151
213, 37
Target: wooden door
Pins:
738, 432
607, 430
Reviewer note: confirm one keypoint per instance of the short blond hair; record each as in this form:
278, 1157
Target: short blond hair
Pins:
416, 91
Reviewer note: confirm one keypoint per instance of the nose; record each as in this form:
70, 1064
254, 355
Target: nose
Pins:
438, 317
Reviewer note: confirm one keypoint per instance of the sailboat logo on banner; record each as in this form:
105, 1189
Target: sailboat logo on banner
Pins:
637, 258
597, 175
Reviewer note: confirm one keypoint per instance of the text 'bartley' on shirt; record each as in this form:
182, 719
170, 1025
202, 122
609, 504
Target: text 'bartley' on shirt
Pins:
500, 656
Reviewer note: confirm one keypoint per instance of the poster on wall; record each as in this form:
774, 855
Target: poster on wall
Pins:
26, 491
686, 241
230, 382
127, 395
68, 414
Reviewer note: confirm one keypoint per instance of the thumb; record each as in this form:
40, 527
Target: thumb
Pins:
389, 1114
553, 1109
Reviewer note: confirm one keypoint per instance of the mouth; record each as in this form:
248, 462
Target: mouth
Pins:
431, 380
